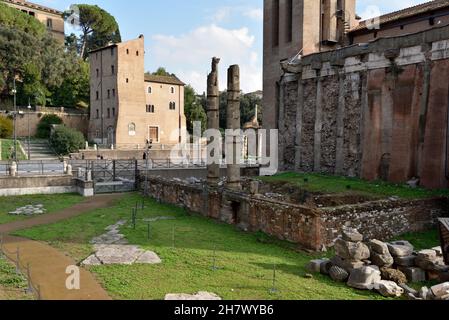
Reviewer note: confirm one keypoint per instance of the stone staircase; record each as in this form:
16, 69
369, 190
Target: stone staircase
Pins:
39, 150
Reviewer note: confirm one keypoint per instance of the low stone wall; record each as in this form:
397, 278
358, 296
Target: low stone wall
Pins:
253, 213
28, 185
383, 219
311, 228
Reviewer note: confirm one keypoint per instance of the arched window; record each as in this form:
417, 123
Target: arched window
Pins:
132, 129
149, 89
172, 105
172, 90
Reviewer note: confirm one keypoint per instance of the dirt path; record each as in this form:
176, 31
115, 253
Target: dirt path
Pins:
48, 265
90, 204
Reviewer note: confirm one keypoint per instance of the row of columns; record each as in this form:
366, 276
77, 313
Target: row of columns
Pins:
233, 142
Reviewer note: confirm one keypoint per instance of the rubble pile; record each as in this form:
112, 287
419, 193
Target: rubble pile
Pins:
385, 267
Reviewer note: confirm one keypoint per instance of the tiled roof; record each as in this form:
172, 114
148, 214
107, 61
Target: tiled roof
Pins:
163, 79
34, 6
407, 13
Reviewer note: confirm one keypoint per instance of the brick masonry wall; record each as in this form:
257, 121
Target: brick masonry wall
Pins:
308, 227
379, 111
383, 220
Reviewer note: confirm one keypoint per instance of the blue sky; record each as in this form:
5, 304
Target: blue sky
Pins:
183, 35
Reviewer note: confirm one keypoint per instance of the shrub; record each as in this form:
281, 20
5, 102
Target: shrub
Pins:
67, 140
6, 127
45, 124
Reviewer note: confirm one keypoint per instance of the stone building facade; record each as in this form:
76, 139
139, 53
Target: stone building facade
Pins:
129, 108
51, 18
324, 25
375, 111
293, 27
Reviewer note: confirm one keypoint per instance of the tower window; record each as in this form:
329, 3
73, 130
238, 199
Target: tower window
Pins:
49, 23
172, 105
127, 51
97, 114
109, 93
432, 21
172, 90
113, 92
149, 90
150, 108
112, 51
127, 80
98, 73
109, 113
113, 69
97, 95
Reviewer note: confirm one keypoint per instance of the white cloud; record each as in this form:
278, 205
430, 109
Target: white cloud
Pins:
385, 6
189, 55
254, 13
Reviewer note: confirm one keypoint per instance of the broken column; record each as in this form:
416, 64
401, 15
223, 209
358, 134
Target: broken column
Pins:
213, 121
233, 134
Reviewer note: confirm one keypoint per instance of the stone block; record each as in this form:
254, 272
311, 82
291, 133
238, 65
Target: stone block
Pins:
414, 274
388, 289
440, 290
351, 235
325, 267
407, 261
364, 278
356, 251
348, 265
314, 266
382, 260
397, 250
409, 290
393, 275
379, 247
439, 251
338, 274
430, 255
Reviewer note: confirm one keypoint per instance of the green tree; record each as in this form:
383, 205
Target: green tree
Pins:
98, 28
45, 124
161, 71
66, 140
193, 109
6, 127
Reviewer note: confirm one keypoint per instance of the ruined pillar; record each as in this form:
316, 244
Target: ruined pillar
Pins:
213, 121
233, 136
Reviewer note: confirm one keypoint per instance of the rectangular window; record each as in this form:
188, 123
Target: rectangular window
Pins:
98, 114
275, 26
113, 112
113, 92
49, 23
98, 95
113, 70
112, 51
109, 113
154, 134
289, 21
109, 94
98, 73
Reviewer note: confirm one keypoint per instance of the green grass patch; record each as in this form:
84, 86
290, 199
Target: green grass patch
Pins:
52, 203
322, 183
12, 285
422, 240
245, 261
7, 147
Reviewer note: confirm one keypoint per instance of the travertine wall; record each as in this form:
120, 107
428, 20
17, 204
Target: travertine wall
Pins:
377, 111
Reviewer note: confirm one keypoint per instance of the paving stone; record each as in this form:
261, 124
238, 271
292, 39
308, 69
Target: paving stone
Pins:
92, 261
202, 296
149, 257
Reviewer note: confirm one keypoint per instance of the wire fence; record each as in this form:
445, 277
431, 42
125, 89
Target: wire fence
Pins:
21, 268
273, 278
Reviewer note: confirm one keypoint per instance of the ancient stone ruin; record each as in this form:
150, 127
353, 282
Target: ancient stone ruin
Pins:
370, 264
30, 210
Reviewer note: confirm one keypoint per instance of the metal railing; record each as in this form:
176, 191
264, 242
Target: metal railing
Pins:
30, 167
21, 268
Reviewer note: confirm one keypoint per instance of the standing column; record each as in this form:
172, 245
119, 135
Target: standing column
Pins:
233, 136
213, 122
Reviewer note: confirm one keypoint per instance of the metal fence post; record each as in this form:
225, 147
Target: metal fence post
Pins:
18, 260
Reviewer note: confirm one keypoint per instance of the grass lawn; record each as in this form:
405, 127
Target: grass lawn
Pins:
245, 260
52, 203
334, 184
12, 285
6, 146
